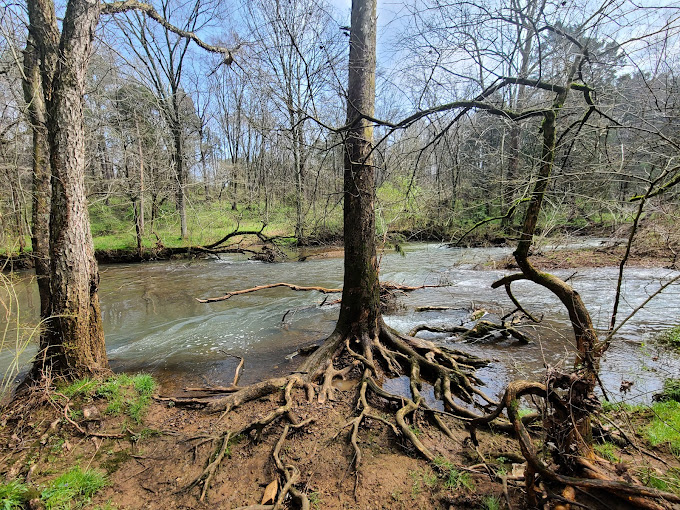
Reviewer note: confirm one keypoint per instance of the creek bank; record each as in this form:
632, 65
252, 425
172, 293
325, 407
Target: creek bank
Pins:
607, 256
149, 463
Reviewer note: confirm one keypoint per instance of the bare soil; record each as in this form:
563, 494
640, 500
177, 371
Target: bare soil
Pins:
152, 466
153, 472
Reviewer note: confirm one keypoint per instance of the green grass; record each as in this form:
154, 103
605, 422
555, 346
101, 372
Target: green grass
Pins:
113, 227
671, 390
453, 478
665, 425
314, 500
13, 495
73, 489
123, 393
81, 387
615, 407
668, 481
491, 503
607, 451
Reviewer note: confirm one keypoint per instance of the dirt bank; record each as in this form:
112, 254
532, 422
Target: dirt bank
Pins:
152, 464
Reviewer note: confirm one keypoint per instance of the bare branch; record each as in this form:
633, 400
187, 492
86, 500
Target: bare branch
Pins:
150, 11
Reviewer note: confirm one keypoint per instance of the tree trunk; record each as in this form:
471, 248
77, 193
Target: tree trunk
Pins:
571, 432
140, 216
360, 309
74, 343
33, 95
180, 169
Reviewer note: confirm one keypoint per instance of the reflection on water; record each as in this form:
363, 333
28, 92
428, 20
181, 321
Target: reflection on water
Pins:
154, 323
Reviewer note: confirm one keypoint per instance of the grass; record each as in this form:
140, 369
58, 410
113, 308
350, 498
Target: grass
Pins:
73, 489
422, 478
671, 390
491, 503
670, 337
665, 425
453, 478
314, 500
607, 451
13, 495
668, 481
113, 227
123, 393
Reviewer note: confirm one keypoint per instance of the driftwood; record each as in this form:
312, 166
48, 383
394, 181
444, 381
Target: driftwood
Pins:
386, 286
479, 330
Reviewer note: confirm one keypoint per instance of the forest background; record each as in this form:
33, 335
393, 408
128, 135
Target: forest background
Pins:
182, 150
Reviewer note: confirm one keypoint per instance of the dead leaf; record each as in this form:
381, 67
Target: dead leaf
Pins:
270, 493
518, 469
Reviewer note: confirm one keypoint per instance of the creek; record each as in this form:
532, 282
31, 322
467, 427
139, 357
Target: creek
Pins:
154, 323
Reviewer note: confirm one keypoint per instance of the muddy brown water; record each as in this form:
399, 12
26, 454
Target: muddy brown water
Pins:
154, 323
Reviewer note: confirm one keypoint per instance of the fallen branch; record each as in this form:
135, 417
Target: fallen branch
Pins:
228, 295
479, 330
387, 286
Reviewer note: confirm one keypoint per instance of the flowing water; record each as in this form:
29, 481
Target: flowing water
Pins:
154, 323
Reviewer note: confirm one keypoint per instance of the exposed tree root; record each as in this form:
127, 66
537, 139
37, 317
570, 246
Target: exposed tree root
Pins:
369, 358
388, 352
594, 477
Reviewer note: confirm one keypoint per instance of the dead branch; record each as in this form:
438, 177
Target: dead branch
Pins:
228, 295
479, 330
386, 286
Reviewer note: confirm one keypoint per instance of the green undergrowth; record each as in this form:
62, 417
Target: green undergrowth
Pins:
668, 480
452, 477
69, 491
670, 337
664, 427
13, 495
670, 391
658, 424
113, 227
73, 489
659, 427
123, 394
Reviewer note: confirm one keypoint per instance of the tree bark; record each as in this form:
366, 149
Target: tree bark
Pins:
33, 95
74, 340
360, 306
360, 309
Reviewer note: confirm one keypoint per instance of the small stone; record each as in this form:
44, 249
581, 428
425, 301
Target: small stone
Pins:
91, 413
35, 504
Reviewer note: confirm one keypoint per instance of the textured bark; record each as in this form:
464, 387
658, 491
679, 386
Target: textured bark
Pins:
360, 306
74, 340
33, 95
